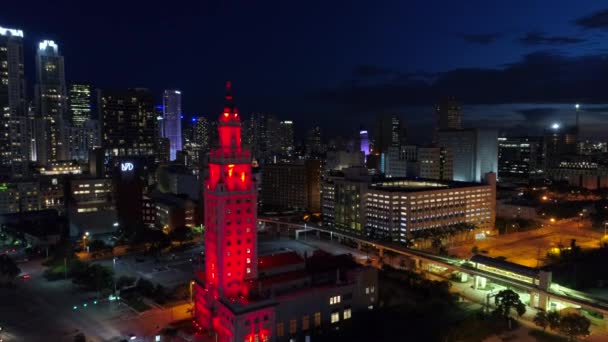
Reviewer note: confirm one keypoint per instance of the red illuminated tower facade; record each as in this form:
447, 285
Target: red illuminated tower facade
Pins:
230, 202
230, 210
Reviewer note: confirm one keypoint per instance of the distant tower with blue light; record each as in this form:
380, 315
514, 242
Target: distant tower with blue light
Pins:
172, 125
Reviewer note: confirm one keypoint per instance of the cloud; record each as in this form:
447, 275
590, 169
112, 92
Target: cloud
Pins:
537, 115
539, 38
481, 38
541, 77
597, 20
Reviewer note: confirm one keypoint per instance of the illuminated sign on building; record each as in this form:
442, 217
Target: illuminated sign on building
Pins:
127, 166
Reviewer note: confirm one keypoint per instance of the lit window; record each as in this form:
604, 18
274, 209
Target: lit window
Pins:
248, 260
347, 313
367, 290
280, 329
248, 270
305, 322
334, 300
335, 317
293, 325
317, 319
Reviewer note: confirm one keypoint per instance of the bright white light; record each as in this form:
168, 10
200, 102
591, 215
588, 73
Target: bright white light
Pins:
577, 106
159, 118
362, 132
115, 224
43, 45
6, 31
555, 126
178, 92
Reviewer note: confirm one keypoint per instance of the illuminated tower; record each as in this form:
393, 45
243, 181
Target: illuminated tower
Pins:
172, 109
230, 211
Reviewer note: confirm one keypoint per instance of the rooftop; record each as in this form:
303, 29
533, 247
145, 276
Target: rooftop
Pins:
418, 184
505, 265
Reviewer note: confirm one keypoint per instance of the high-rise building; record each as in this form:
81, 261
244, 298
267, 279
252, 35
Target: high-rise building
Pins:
14, 140
558, 142
475, 152
51, 103
390, 131
128, 122
79, 104
435, 163
292, 186
231, 208
519, 157
393, 162
201, 133
449, 114
172, 124
314, 144
285, 138
364, 142
83, 139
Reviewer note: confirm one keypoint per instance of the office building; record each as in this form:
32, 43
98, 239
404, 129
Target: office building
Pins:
172, 124
474, 151
338, 160
343, 196
14, 139
83, 139
292, 186
558, 141
390, 131
90, 195
19, 196
128, 123
449, 114
79, 104
51, 103
280, 297
354, 202
285, 137
364, 142
395, 209
435, 163
393, 162
174, 211
519, 157
314, 144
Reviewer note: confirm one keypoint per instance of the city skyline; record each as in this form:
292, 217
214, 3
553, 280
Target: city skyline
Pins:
491, 59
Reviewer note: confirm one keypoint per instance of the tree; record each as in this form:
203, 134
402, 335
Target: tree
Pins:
145, 287
506, 300
96, 277
553, 319
181, 234
8, 269
573, 326
80, 338
97, 245
541, 320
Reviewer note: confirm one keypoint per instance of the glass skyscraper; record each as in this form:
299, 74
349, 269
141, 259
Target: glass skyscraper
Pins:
172, 130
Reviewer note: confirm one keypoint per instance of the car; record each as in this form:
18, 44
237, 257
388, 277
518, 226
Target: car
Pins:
25, 276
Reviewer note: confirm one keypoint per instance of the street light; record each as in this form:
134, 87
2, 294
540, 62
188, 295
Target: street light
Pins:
84, 240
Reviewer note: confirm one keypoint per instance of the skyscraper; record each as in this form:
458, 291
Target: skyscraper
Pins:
285, 138
128, 122
474, 151
314, 145
449, 114
51, 102
390, 131
172, 124
13, 125
364, 142
201, 132
230, 237
79, 104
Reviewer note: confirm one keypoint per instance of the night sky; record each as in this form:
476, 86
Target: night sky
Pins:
513, 64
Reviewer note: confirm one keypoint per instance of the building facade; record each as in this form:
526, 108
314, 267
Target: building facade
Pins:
128, 123
14, 139
519, 157
79, 104
435, 163
292, 186
475, 152
172, 123
51, 103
